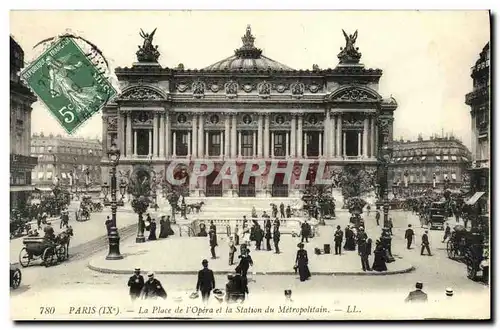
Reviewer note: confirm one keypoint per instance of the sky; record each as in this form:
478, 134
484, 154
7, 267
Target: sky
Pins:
425, 55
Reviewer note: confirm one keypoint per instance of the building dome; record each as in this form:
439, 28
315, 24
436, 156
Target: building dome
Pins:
248, 58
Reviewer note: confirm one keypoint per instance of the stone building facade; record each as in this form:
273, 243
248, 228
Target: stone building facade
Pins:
72, 162
21, 99
431, 163
479, 101
244, 108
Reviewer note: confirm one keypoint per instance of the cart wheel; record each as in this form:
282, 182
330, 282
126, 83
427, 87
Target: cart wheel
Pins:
24, 257
471, 269
16, 279
61, 253
450, 249
48, 257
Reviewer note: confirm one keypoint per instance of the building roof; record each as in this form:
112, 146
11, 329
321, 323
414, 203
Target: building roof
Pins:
248, 58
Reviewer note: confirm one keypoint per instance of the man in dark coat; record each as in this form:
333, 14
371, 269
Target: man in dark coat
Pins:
212, 226
49, 232
417, 296
153, 289
282, 210
425, 244
206, 281
245, 263
363, 251
108, 224
267, 234
213, 242
276, 239
338, 238
409, 236
304, 232
377, 217
288, 211
136, 283
259, 235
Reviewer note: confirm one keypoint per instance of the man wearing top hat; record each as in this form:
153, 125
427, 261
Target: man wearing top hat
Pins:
206, 281
425, 243
153, 289
338, 238
136, 283
418, 295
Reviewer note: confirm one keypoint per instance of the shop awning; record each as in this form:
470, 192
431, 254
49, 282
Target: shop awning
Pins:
473, 200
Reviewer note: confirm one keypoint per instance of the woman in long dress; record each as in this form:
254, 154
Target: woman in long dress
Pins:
302, 263
379, 259
350, 244
152, 231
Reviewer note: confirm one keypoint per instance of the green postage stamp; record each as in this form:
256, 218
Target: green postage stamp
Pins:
68, 83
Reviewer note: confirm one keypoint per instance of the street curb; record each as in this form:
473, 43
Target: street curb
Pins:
217, 272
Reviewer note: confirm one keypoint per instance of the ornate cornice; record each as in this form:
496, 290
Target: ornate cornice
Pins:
354, 94
142, 93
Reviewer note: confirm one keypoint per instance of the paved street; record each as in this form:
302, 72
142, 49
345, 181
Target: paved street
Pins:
436, 272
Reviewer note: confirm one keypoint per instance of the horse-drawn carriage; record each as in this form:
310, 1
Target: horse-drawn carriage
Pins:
83, 213
437, 215
49, 251
19, 227
194, 207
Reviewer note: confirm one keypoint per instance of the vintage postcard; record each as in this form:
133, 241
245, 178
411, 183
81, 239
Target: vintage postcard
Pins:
270, 165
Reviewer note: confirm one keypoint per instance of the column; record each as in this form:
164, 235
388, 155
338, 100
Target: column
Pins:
340, 151
293, 133
333, 136
168, 143
194, 135
105, 137
150, 142
234, 142
156, 118
376, 140
206, 145
359, 143
326, 135
299, 137
320, 145
221, 144
287, 145
305, 145
343, 145
129, 136
365, 138
239, 144
227, 133
201, 135
254, 144
272, 145
135, 143
189, 146
162, 135
259, 137
266, 136
174, 141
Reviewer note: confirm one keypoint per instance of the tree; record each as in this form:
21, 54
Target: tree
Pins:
355, 181
140, 188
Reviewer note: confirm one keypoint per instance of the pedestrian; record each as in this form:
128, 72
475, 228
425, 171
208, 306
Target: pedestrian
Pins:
379, 254
39, 222
390, 225
152, 231
232, 250
108, 224
163, 232
254, 212
302, 263
236, 235
244, 224
153, 289
268, 236
417, 296
409, 234
212, 226
447, 232
212, 236
288, 211
136, 283
206, 281
282, 210
350, 243
275, 211
259, 235
338, 238
168, 227
377, 216
276, 239
245, 262
363, 250
304, 233
368, 208
425, 244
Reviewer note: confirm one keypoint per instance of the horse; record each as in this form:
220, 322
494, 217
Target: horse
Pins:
196, 207
63, 238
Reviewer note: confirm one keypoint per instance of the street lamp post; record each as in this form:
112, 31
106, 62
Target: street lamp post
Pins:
113, 237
